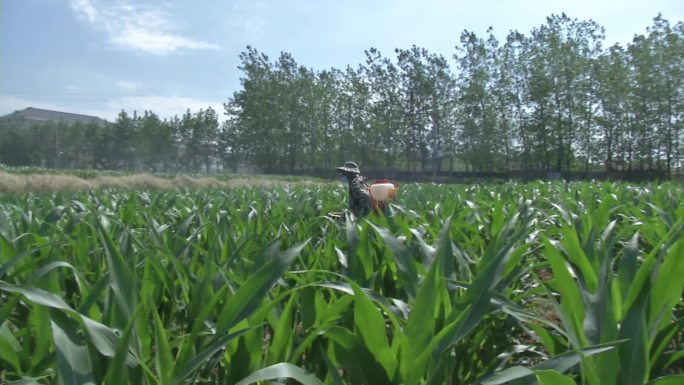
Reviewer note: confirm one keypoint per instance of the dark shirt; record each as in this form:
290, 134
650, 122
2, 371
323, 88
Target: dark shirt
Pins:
359, 196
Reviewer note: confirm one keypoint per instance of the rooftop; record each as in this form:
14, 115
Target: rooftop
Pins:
32, 114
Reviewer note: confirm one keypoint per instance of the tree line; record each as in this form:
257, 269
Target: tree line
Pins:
132, 142
554, 99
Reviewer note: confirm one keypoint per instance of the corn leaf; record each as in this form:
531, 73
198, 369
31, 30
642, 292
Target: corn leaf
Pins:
282, 370
73, 361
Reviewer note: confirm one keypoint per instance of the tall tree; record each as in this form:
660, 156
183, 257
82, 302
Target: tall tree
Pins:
560, 86
476, 103
120, 142
667, 45
326, 129
643, 107
203, 139
515, 74
415, 97
385, 112
613, 74
355, 136
293, 88
255, 105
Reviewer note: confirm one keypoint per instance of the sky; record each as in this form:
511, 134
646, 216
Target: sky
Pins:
98, 57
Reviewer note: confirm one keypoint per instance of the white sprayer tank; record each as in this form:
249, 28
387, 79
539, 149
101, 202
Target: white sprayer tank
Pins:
381, 191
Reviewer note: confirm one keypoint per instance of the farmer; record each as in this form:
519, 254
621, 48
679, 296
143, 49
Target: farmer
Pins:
359, 197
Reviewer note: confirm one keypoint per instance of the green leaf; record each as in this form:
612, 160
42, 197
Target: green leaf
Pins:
163, 358
572, 304
675, 379
634, 355
475, 301
248, 296
283, 334
329, 316
38, 296
406, 267
197, 326
662, 341
551, 342
121, 279
507, 375
26, 381
204, 355
73, 361
282, 370
577, 257
565, 361
123, 354
370, 324
552, 377
420, 327
9, 347
104, 338
352, 235
667, 287
352, 354
4, 268
628, 265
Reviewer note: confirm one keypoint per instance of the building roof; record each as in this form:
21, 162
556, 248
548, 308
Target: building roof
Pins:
32, 114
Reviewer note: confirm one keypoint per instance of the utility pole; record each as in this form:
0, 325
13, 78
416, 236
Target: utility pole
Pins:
57, 146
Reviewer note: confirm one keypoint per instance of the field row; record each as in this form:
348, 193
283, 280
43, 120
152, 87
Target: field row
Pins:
549, 283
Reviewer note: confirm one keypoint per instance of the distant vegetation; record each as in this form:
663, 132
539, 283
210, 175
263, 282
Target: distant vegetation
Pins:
555, 100
40, 180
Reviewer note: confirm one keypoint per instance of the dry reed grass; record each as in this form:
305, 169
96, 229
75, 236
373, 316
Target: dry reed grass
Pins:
18, 183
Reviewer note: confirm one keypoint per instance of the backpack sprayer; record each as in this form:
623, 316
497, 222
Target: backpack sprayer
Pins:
382, 192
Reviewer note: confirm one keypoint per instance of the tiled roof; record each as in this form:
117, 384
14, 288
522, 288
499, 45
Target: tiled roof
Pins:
32, 114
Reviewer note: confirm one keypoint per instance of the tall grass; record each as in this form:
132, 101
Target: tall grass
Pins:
545, 283
55, 182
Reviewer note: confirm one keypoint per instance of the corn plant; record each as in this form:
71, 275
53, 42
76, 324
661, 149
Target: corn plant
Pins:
545, 283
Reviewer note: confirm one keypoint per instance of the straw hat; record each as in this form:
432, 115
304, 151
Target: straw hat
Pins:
349, 167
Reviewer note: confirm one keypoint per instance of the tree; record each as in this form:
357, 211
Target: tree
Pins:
231, 145
354, 129
476, 103
118, 148
203, 139
15, 144
415, 97
156, 142
385, 111
326, 130
613, 74
255, 106
515, 75
667, 46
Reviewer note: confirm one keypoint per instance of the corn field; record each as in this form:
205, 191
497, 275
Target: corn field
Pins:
541, 283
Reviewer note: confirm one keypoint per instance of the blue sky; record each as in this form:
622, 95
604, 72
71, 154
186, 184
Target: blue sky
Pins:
98, 57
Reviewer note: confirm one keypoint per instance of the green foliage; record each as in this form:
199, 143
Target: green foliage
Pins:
546, 283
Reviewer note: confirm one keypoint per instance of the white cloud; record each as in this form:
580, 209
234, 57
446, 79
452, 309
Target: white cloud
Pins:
155, 42
128, 85
86, 9
136, 27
